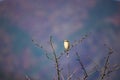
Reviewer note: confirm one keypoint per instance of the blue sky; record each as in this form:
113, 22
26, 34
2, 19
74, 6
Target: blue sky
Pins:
24, 20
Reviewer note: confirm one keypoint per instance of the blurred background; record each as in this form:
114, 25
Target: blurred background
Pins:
24, 20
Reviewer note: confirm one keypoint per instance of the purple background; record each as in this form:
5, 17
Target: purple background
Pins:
24, 20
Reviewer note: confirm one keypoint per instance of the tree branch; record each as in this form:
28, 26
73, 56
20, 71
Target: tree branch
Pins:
106, 63
82, 67
56, 59
40, 46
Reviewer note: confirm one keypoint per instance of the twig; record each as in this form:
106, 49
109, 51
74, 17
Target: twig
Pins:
70, 76
62, 77
75, 43
106, 63
114, 68
97, 66
27, 77
40, 46
79, 41
56, 59
82, 66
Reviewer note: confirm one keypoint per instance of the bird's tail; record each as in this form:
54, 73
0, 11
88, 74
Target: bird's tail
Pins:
67, 55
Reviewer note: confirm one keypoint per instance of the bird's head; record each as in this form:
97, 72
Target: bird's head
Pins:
66, 41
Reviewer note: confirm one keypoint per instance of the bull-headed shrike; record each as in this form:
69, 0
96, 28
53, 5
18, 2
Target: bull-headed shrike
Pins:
66, 46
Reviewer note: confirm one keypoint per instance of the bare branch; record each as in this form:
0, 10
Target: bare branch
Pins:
56, 59
106, 63
27, 77
82, 67
70, 76
114, 68
62, 77
97, 66
44, 50
76, 42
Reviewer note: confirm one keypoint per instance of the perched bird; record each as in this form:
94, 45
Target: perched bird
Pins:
66, 46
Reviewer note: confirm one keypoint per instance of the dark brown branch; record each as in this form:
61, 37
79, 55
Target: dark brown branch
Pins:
27, 77
82, 66
56, 59
106, 63
40, 46
70, 76
78, 41
114, 68
97, 66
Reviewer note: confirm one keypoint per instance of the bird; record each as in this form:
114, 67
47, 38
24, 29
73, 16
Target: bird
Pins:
66, 46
